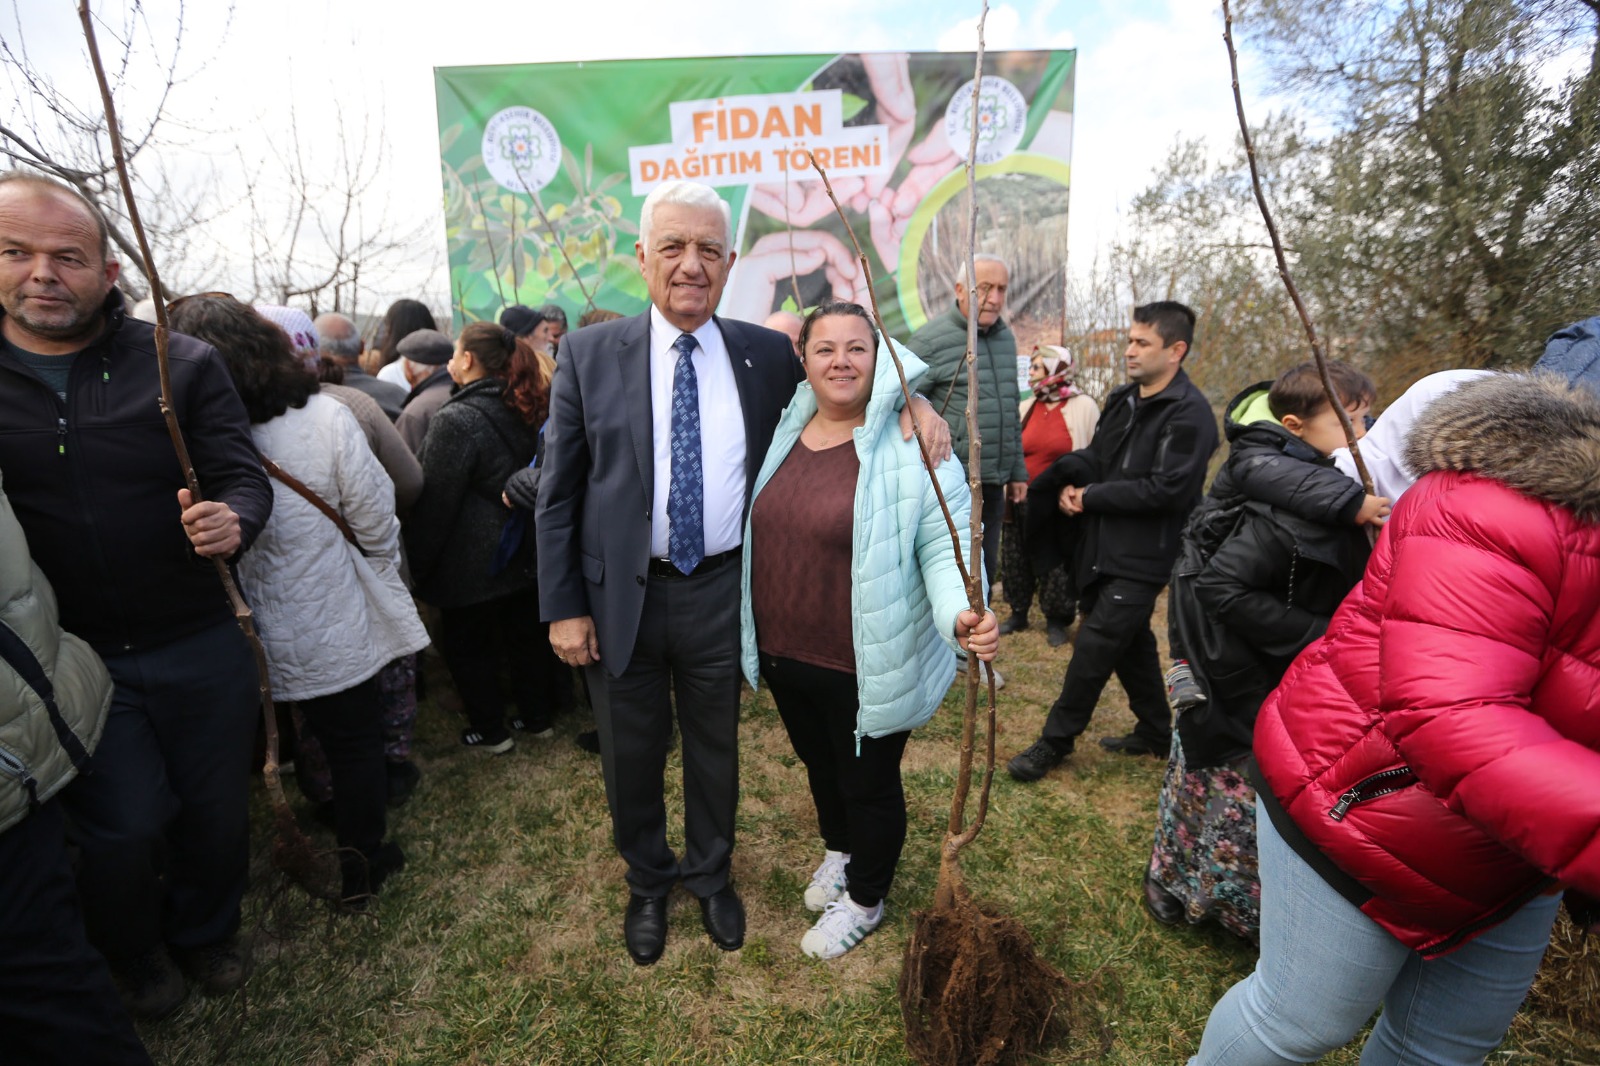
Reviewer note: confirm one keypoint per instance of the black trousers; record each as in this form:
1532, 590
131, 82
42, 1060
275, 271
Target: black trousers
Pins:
994, 513
57, 1003
1057, 597
166, 796
861, 805
687, 653
1113, 637
349, 726
480, 640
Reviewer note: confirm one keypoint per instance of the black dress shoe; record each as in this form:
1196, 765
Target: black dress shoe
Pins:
1015, 623
1132, 744
1055, 634
723, 915
645, 927
1163, 906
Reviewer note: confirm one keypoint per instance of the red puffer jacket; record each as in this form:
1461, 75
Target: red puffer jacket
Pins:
1441, 744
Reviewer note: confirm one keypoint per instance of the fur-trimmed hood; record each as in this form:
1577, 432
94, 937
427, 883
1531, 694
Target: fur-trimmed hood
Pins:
1534, 432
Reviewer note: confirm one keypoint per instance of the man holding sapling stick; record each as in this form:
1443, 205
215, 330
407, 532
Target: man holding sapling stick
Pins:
95, 482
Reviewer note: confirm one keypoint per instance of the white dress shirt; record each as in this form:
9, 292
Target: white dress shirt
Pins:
722, 443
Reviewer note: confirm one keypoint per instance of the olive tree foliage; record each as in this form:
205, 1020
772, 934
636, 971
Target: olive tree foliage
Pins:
1449, 217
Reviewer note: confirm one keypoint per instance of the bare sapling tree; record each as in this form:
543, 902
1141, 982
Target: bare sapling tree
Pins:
292, 851
1283, 261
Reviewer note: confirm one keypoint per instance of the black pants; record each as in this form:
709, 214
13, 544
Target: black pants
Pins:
687, 652
994, 513
1057, 597
349, 726
861, 806
57, 1003
167, 795
480, 640
1114, 637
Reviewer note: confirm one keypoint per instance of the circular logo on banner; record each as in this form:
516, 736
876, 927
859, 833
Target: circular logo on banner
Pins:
1002, 117
521, 149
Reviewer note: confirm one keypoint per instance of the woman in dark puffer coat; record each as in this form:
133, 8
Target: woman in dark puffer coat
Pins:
487, 600
1430, 770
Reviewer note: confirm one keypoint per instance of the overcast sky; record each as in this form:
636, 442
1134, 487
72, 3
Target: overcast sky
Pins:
1148, 71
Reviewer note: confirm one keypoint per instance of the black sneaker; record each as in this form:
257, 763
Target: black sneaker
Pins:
364, 877
403, 780
537, 728
1132, 744
1040, 758
151, 985
218, 968
489, 741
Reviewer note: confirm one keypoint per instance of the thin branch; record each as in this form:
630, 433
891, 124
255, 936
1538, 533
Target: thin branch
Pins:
1283, 262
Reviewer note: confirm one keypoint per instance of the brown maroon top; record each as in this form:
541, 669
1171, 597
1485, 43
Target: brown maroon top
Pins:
800, 530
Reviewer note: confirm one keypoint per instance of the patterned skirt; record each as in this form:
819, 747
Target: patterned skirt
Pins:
1205, 846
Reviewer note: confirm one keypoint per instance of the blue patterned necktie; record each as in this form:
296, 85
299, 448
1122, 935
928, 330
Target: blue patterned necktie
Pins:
686, 538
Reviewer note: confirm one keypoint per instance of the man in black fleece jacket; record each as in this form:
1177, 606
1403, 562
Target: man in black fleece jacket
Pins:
96, 485
1123, 501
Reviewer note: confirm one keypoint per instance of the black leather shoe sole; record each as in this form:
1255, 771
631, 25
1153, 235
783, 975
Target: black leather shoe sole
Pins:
645, 928
1163, 906
723, 915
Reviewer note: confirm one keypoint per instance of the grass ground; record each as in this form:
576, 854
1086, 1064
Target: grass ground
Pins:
501, 942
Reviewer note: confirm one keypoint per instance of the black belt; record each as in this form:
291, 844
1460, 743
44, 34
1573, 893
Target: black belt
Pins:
665, 568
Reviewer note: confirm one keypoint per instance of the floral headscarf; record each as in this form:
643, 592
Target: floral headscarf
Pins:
1060, 374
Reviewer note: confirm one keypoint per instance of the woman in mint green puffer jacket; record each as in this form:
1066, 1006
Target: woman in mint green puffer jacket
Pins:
853, 606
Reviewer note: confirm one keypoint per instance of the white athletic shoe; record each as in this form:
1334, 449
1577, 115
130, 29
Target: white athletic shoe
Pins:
842, 926
827, 884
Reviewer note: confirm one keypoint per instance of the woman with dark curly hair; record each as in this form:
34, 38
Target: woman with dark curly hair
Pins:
487, 598
328, 600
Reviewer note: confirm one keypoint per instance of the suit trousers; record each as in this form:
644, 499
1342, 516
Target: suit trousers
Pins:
57, 1003
687, 652
1114, 637
166, 796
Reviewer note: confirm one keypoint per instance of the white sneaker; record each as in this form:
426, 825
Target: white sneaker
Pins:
827, 884
999, 682
842, 926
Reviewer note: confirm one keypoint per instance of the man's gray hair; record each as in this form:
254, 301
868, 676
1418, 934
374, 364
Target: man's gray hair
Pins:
689, 194
30, 177
981, 257
346, 346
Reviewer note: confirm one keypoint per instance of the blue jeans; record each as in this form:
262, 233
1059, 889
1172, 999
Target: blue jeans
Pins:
1325, 967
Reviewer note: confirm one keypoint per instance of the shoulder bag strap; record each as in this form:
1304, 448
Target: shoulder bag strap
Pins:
313, 499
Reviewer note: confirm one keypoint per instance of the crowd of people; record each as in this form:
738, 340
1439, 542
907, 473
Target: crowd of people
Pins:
1380, 719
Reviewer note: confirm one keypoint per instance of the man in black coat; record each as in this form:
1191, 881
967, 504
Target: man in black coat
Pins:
658, 426
1123, 499
95, 483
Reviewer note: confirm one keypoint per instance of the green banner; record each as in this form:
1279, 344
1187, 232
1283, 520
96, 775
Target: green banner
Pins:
545, 167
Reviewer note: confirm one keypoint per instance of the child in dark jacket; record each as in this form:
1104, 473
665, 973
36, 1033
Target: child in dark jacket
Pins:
1265, 560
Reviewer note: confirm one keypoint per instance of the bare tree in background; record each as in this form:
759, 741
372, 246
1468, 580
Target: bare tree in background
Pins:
320, 234
59, 130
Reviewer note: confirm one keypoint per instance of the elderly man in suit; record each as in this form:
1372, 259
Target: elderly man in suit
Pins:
658, 425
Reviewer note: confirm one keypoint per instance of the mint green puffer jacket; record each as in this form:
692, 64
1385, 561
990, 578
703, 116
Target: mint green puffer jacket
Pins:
906, 590
42, 741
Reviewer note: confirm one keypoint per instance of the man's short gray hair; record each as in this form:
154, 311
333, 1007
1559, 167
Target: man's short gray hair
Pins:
981, 257
347, 346
689, 194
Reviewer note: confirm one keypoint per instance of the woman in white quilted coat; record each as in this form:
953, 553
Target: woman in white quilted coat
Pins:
331, 612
